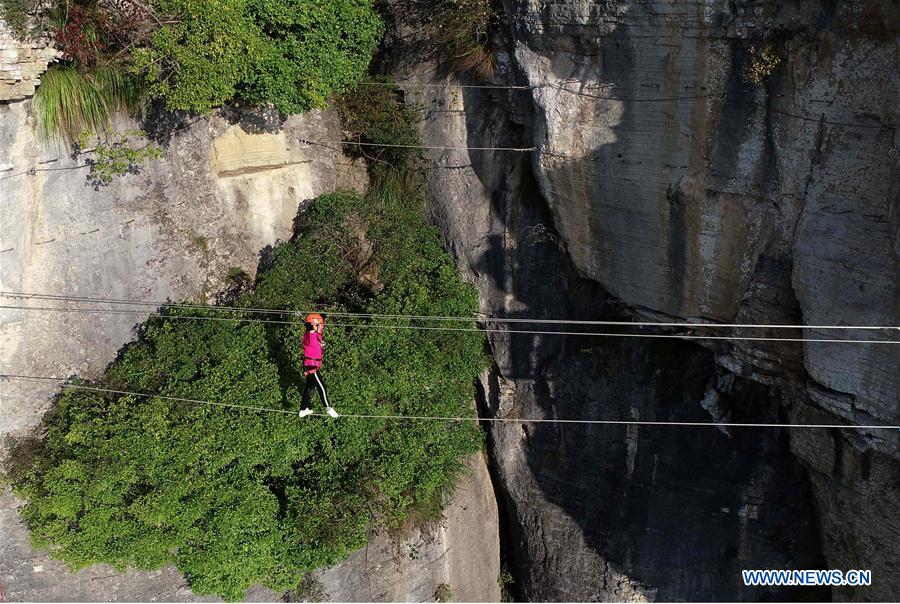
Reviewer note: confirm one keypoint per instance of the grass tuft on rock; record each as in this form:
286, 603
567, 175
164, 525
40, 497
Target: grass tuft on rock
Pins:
463, 30
70, 101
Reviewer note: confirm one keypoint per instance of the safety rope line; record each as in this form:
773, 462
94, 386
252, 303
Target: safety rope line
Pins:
429, 147
821, 119
636, 99
538, 87
510, 420
477, 317
102, 311
413, 84
563, 86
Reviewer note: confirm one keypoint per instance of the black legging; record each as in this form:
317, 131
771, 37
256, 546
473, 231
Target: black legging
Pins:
314, 381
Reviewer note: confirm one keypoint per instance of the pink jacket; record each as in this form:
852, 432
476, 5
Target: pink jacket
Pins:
312, 349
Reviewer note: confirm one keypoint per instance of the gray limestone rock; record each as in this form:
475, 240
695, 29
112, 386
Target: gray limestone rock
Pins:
21, 63
668, 185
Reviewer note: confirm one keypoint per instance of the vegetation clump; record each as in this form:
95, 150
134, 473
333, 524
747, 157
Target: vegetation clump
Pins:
118, 154
235, 496
463, 29
380, 127
196, 55
291, 53
762, 63
21, 17
70, 101
193, 55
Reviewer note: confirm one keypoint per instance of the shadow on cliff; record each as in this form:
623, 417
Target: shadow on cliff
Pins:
677, 511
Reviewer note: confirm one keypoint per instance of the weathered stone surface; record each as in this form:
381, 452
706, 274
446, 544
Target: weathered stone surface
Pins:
680, 189
846, 264
459, 554
606, 513
641, 189
21, 64
857, 491
681, 173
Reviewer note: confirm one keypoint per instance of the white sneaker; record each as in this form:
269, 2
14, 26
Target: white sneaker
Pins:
305, 412
330, 411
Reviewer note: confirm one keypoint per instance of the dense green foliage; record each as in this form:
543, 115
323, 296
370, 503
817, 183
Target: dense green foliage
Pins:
291, 53
196, 55
197, 62
311, 50
234, 496
374, 115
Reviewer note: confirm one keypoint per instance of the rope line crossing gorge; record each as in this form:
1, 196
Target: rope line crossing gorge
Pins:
488, 324
441, 418
477, 317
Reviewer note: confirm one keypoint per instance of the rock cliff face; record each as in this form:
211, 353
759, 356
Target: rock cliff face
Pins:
173, 231
454, 559
21, 64
667, 184
226, 187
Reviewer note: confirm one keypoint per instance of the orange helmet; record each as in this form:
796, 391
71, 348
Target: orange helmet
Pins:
315, 318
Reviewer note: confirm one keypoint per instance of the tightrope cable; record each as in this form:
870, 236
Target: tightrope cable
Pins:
563, 86
429, 147
442, 318
450, 418
103, 311
413, 84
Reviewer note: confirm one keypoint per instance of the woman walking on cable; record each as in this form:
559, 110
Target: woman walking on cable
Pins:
312, 364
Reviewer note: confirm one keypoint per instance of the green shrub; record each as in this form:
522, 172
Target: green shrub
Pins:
311, 50
236, 273
291, 53
443, 593
375, 114
73, 105
117, 154
197, 62
197, 55
236, 497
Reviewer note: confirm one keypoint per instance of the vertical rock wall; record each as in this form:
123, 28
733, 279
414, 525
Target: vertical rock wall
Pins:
456, 558
668, 184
